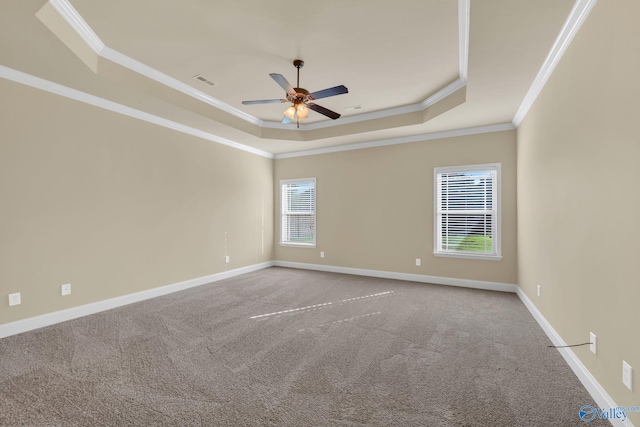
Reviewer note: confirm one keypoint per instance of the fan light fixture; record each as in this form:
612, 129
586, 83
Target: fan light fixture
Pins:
299, 111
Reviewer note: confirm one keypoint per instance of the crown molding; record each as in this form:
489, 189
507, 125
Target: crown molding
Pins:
401, 140
75, 20
464, 8
67, 92
576, 18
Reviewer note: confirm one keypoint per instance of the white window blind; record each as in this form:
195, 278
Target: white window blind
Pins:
298, 224
467, 211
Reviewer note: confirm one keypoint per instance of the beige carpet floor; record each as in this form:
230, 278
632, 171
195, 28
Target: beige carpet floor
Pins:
285, 347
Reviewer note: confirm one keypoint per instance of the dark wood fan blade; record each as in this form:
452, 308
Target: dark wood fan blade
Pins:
333, 91
264, 101
325, 111
284, 84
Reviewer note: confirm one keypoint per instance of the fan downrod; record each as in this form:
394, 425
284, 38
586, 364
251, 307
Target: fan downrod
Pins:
298, 63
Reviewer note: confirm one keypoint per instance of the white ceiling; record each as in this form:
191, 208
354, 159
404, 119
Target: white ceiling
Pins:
415, 66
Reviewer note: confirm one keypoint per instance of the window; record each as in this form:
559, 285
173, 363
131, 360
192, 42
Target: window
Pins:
467, 211
298, 208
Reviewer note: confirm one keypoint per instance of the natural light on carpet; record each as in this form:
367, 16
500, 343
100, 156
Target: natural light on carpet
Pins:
321, 306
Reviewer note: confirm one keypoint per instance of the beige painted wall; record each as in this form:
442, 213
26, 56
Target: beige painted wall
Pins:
579, 196
115, 205
375, 206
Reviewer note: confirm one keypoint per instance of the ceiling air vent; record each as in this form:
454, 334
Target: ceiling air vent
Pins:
354, 108
204, 80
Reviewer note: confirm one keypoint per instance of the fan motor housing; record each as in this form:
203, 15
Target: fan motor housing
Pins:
301, 95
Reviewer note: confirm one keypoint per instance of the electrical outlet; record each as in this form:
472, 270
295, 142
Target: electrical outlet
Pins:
14, 299
626, 375
226, 259
418, 262
593, 340
321, 254
66, 289
539, 290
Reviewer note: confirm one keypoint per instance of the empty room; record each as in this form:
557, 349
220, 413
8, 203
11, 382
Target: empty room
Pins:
337, 213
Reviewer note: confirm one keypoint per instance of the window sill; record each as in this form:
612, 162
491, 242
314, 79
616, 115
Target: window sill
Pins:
298, 245
468, 256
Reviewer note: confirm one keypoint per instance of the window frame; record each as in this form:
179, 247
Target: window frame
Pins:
496, 203
283, 183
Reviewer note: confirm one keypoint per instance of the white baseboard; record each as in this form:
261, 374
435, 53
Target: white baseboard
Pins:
597, 392
465, 283
36, 322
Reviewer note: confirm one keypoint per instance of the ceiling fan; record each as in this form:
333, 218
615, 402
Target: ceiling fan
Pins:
301, 98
